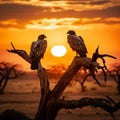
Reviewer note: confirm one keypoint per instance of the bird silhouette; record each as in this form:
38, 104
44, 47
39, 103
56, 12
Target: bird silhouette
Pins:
37, 51
76, 43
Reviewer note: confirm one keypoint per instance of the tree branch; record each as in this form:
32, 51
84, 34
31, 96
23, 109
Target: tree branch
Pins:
21, 53
102, 103
71, 71
41, 71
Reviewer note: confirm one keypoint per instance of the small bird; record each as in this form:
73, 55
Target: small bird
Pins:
76, 43
37, 51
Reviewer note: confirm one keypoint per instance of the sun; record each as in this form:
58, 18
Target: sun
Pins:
58, 50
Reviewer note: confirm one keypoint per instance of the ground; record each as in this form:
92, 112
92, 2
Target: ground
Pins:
24, 94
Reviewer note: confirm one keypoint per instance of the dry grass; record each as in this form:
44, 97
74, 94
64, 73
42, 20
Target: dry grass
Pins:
24, 95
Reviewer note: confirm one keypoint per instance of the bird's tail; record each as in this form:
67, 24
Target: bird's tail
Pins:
34, 64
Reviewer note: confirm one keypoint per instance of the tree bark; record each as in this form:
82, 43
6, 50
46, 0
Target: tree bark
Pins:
45, 93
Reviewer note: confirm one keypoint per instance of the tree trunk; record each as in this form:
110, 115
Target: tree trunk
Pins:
4, 85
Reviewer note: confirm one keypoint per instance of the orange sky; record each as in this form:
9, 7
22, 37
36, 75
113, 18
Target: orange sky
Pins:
97, 21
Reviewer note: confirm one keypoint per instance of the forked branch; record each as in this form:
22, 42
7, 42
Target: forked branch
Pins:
93, 69
21, 53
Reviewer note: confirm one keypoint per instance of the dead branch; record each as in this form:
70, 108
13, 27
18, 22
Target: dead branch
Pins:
110, 99
92, 67
102, 103
21, 53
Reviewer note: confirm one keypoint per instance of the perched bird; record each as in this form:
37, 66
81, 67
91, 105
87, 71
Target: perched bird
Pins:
76, 43
37, 51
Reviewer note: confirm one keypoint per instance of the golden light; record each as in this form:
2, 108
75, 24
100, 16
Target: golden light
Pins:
58, 50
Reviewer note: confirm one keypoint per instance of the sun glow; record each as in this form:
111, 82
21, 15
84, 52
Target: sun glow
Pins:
58, 50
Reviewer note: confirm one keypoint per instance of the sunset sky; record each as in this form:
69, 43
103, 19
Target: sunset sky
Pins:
21, 21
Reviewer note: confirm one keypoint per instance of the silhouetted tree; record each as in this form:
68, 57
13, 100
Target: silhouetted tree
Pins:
56, 70
79, 78
51, 101
6, 72
115, 74
13, 115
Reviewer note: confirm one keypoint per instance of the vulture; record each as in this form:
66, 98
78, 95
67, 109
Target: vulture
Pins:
37, 51
76, 43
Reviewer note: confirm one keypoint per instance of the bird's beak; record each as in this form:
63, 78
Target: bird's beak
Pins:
67, 32
45, 37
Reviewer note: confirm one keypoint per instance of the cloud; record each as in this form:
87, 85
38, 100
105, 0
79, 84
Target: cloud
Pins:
50, 24
103, 13
20, 11
86, 2
23, 15
99, 2
74, 23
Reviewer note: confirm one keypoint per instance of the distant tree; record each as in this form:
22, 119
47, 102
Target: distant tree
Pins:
115, 74
51, 101
7, 72
56, 70
79, 78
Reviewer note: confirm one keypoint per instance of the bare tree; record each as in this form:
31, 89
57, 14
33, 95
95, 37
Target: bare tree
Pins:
51, 101
92, 69
6, 72
115, 74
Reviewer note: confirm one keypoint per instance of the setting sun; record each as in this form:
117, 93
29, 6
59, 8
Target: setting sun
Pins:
58, 50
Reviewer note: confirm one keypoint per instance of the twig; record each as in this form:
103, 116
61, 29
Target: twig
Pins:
111, 100
13, 46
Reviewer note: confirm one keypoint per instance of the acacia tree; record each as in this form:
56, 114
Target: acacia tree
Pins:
51, 101
56, 70
115, 74
6, 72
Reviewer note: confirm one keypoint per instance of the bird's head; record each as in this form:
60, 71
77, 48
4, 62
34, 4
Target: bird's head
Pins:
71, 32
41, 37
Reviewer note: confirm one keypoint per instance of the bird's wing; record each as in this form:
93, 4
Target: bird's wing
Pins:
32, 50
41, 48
37, 52
83, 44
